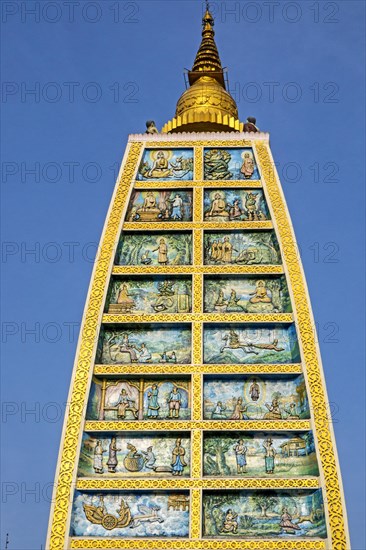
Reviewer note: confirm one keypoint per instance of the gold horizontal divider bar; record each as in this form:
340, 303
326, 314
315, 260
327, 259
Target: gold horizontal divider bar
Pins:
197, 544
162, 484
205, 269
169, 368
179, 184
200, 317
186, 226
185, 425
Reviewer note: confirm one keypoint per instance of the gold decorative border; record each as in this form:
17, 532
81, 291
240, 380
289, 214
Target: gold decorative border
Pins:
199, 317
198, 205
93, 484
197, 297
186, 425
207, 269
312, 362
186, 226
166, 185
197, 397
208, 544
198, 162
196, 453
195, 515
123, 370
197, 344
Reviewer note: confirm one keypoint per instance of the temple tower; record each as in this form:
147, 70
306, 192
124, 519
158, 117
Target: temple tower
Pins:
198, 412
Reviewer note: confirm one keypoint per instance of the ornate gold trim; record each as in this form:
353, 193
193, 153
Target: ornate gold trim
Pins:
197, 297
137, 484
200, 317
195, 519
197, 247
207, 269
199, 182
208, 544
183, 425
187, 226
198, 205
197, 397
123, 370
197, 343
196, 453
198, 163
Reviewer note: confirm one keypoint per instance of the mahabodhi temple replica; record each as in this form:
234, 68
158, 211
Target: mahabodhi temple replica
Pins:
198, 411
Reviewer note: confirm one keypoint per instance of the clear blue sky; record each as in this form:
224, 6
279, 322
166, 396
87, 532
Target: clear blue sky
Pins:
310, 55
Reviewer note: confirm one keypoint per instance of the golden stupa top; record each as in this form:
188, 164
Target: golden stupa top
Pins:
206, 106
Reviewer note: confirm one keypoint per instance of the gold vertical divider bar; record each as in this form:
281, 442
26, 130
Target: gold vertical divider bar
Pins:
196, 453
197, 351
197, 293
195, 515
197, 397
198, 163
198, 204
197, 236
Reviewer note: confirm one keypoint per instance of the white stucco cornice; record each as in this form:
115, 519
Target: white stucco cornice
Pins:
200, 136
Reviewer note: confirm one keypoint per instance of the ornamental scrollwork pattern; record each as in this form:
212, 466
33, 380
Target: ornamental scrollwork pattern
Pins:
186, 226
209, 544
209, 270
123, 370
189, 483
250, 425
201, 317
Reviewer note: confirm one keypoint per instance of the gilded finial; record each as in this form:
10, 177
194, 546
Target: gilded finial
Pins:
206, 105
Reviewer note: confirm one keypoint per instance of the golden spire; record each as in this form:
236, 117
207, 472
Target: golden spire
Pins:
206, 106
207, 58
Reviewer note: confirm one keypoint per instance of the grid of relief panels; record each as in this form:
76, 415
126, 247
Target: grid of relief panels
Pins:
198, 421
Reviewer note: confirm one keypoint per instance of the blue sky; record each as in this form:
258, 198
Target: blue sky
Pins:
98, 74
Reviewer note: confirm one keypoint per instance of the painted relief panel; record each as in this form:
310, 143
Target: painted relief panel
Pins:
131, 454
230, 164
130, 514
157, 294
131, 399
166, 164
255, 398
233, 205
145, 343
239, 343
264, 514
229, 294
241, 248
256, 454
156, 206
155, 248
